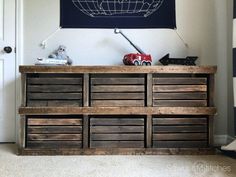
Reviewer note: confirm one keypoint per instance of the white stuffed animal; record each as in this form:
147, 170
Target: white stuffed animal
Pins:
61, 54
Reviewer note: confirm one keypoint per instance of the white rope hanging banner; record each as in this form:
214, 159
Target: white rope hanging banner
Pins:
43, 44
181, 38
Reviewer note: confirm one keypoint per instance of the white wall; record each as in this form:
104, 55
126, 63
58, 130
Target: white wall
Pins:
204, 25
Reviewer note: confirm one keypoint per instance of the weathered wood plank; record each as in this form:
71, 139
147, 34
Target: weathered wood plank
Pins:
54, 88
37, 103
179, 88
179, 136
180, 144
211, 131
119, 69
149, 93
23, 90
117, 144
149, 130
180, 96
99, 103
182, 103
54, 96
118, 88
86, 90
180, 129
54, 137
116, 121
55, 81
117, 96
118, 81
179, 121
44, 121
22, 132
180, 81
211, 89
54, 129
63, 103
86, 134
117, 137
54, 144
117, 151
123, 110
116, 129
55, 103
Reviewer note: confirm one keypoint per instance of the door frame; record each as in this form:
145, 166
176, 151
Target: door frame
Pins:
19, 44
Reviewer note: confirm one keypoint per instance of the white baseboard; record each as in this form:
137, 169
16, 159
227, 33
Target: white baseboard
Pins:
222, 140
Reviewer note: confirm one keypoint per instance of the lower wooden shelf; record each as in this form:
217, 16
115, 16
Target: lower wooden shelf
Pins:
116, 130
118, 151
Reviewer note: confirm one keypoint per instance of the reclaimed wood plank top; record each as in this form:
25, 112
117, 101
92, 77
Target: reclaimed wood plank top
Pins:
118, 69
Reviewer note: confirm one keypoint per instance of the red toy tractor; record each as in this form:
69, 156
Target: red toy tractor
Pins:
136, 59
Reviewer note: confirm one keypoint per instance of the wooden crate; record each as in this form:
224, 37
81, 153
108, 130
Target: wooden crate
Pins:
54, 90
54, 132
117, 90
180, 90
117, 132
180, 131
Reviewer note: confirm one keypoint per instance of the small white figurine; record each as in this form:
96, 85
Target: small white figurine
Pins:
60, 54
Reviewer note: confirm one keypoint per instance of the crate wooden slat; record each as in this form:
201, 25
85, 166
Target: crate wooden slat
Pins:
117, 144
180, 81
180, 91
54, 144
179, 88
54, 121
180, 121
54, 137
179, 129
117, 132
180, 96
54, 81
117, 121
179, 136
52, 131
136, 103
117, 137
117, 129
118, 96
180, 144
117, 81
54, 88
180, 132
182, 103
118, 90
57, 90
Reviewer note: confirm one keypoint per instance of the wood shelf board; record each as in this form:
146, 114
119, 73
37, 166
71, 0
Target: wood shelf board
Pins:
117, 110
119, 69
119, 151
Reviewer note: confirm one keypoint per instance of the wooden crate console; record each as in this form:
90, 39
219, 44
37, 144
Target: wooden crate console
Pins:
86, 110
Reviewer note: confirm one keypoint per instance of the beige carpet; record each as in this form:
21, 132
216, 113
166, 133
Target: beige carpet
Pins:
114, 166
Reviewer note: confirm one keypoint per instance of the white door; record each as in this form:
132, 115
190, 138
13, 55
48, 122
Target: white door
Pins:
7, 71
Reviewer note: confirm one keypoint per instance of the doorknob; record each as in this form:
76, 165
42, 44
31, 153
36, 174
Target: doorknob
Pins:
7, 49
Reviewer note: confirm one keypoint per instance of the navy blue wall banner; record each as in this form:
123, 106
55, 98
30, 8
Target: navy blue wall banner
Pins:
118, 14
